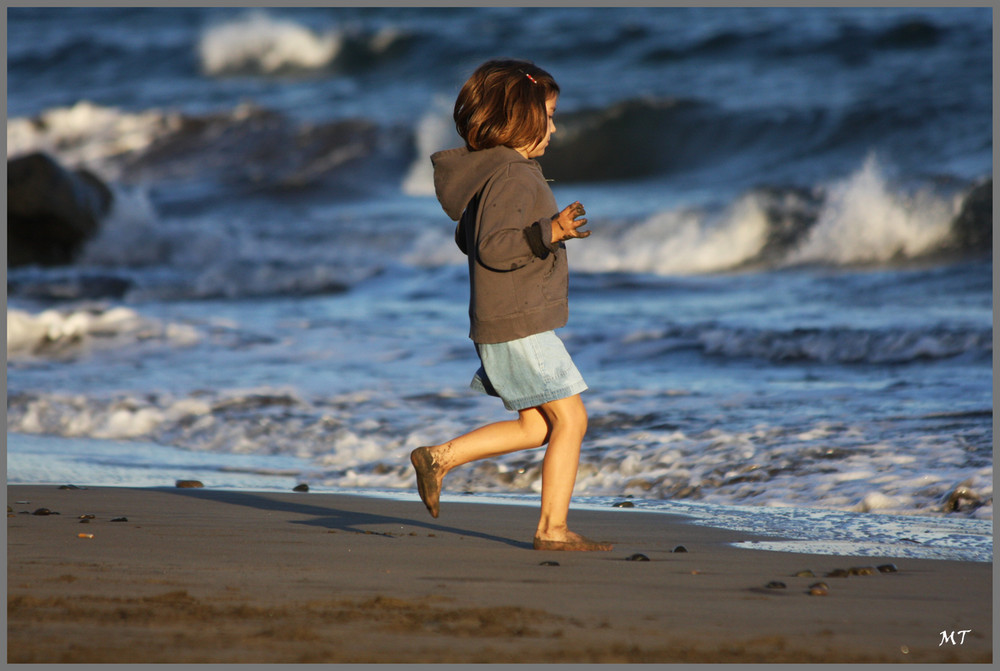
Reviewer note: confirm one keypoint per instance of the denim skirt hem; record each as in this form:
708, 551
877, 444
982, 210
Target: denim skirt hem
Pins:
527, 372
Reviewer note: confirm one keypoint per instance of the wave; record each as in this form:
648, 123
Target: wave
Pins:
261, 44
58, 334
862, 219
831, 465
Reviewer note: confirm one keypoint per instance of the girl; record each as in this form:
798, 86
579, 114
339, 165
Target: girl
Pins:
510, 228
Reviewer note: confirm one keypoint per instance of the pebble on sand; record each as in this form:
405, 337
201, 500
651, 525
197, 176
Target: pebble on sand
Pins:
43, 511
624, 504
888, 568
189, 484
549, 563
301, 488
680, 548
85, 535
776, 584
637, 557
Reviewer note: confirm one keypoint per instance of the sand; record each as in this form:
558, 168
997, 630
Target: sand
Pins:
201, 575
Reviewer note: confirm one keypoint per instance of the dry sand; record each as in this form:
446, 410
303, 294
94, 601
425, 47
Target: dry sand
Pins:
196, 575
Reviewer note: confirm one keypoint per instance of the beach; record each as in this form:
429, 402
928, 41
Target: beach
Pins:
186, 575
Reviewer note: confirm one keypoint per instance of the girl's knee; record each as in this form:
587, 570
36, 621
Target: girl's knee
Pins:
567, 413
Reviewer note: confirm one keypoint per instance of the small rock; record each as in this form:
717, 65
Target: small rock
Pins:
776, 584
85, 535
624, 504
863, 570
637, 557
888, 568
819, 589
301, 488
86, 517
189, 484
805, 574
549, 563
680, 548
120, 519
44, 511
70, 487
837, 573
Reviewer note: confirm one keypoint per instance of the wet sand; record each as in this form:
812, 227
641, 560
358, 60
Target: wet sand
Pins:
200, 575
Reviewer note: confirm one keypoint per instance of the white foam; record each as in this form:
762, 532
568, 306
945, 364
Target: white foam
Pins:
435, 131
677, 242
863, 221
58, 333
129, 235
89, 135
259, 42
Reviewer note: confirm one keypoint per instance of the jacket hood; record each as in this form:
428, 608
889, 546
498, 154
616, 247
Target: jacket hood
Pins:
459, 174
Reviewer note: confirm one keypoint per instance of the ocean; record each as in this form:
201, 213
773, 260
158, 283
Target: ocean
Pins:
785, 304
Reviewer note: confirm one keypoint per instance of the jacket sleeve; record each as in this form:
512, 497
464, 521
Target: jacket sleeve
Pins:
508, 239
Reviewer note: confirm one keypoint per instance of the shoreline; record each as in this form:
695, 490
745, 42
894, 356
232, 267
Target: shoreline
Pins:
200, 575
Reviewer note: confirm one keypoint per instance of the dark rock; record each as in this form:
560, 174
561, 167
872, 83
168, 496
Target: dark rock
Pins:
301, 488
120, 519
961, 499
888, 568
70, 487
972, 227
549, 563
838, 573
189, 484
637, 557
863, 570
51, 211
805, 574
776, 584
624, 504
680, 548
43, 511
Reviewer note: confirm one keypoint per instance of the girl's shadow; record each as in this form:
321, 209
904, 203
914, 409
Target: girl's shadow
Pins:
332, 518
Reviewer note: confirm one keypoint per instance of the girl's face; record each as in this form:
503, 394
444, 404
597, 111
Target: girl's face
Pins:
539, 149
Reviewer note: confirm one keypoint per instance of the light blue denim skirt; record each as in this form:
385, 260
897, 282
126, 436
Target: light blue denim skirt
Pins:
528, 371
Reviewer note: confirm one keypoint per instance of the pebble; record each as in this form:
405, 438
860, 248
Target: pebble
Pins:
776, 584
189, 484
863, 570
549, 563
301, 488
624, 504
819, 589
70, 487
85, 535
120, 519
805, 574
837, 573
680, 548
638, 557
888, 568
86, 517
44, 511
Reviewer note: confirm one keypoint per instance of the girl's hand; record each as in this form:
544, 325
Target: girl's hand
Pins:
565, 225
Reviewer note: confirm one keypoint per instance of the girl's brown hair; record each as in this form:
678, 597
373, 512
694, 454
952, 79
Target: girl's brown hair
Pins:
503, 103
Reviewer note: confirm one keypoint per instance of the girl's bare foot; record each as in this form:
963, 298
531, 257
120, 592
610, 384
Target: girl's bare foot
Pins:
570, 541
428, 483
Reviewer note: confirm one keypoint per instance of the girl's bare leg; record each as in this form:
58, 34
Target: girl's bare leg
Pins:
568, 419
530, 429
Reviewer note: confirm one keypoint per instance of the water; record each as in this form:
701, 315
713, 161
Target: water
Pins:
774, 310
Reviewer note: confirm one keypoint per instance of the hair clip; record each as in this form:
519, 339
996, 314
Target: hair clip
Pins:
531, 78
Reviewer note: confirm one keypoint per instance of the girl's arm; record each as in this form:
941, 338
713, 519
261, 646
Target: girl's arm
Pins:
508, 241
